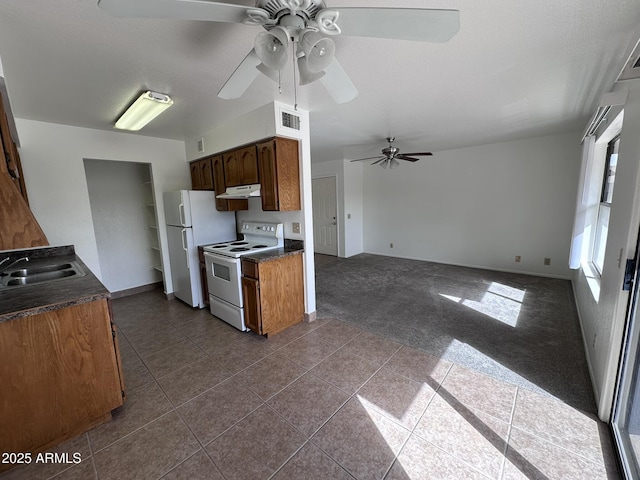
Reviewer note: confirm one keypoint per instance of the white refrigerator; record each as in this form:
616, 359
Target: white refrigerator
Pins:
192, 219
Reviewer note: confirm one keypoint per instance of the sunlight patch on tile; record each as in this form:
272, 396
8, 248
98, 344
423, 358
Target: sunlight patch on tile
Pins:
500, 302
408, 409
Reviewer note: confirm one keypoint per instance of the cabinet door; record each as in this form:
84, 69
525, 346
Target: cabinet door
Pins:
252, 313
196, 179
219, 184
219, 181
232, 174
206, 174
67, 355
268, 175
248, 165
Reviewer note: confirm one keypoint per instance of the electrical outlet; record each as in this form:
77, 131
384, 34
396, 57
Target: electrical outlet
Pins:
547, 261
296, 227
391, 245
518, 258
348, 215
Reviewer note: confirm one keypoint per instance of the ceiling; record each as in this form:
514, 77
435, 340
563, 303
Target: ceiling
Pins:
515, 69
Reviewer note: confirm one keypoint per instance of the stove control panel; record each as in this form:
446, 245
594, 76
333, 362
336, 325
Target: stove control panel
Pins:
262, 228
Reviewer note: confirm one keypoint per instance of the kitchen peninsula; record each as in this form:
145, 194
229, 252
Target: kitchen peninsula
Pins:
59, 356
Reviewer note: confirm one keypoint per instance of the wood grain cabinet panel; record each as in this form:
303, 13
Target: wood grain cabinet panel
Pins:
278, 165
60, 375
219, 184
273, 293
240, 166
196, 178
201, 174
206, 174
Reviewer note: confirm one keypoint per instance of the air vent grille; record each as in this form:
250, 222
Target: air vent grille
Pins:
290, 121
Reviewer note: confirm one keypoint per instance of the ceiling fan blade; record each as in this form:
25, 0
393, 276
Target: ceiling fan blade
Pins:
419, 154
338, 83
419, 24
377, 157
181, 9
383, 159
405, 157
241, 78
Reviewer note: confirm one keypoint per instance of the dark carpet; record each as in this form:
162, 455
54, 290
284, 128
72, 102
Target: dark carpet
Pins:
521, 329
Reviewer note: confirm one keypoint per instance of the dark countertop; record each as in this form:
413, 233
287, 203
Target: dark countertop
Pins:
33, 299
270, 255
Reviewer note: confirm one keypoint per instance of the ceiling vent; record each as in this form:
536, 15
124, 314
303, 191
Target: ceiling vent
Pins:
290, 121
631, 69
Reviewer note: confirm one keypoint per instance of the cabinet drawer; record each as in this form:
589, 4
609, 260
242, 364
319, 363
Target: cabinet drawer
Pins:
250, 269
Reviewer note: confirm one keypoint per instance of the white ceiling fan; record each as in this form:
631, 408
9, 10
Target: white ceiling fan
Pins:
391, 155
304, 26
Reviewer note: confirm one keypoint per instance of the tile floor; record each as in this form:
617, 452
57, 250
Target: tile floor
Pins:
321, 400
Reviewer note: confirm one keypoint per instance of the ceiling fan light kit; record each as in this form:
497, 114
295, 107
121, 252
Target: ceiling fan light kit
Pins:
307, 76
146, 107
272, 46
306, 24
317, 49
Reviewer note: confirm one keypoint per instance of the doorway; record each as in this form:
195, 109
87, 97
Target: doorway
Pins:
325, 224
125, 223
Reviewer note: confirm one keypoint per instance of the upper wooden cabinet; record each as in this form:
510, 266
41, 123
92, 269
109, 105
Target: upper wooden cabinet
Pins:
219, 182
18, 227
202, 174
273, 163
240, 166
279, 170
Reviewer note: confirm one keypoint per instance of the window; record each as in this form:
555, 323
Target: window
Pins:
606, 197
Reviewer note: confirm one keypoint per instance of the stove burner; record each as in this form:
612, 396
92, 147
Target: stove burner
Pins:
218, 246
239, 249
260, 246
239, 243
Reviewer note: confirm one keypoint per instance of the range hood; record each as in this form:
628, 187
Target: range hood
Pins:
242, 191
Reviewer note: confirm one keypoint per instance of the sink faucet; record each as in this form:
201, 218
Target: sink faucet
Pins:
26, 259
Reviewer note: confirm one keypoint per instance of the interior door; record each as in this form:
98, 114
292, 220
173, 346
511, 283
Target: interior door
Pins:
325, 225
625, 421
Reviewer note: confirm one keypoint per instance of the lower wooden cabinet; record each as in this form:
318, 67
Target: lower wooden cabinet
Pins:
60, 373
273, 292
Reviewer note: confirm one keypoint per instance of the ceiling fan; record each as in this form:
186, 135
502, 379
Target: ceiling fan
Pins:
391, 155
299, 28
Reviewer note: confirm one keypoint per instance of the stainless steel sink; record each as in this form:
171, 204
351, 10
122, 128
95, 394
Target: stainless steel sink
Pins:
42, 273
25, 272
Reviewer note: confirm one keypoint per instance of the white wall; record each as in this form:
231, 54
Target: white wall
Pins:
120, 201
602, 320
479, 206
52, 159
348, 203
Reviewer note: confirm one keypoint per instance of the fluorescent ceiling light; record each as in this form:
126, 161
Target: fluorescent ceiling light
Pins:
147, 107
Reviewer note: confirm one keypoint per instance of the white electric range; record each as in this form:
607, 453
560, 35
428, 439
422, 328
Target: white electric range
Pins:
224, 268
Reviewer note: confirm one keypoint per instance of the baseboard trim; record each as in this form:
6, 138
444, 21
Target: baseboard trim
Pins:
135, 290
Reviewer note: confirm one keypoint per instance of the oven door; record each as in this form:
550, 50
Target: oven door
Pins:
223, 278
